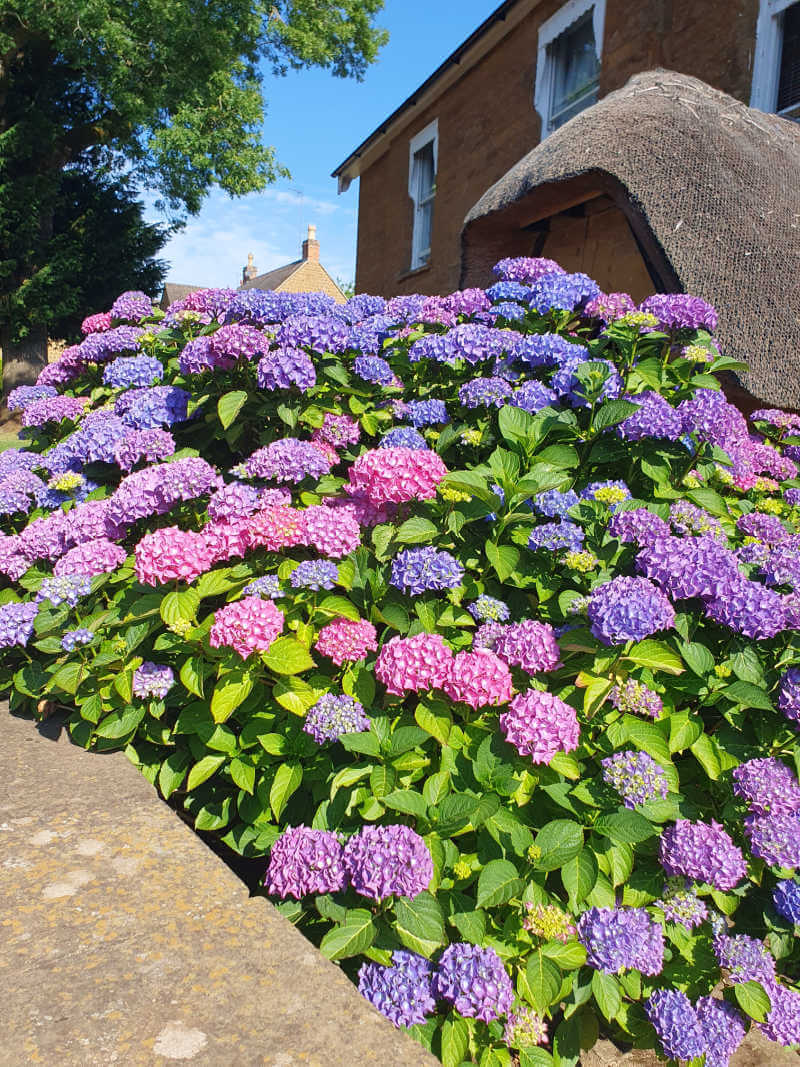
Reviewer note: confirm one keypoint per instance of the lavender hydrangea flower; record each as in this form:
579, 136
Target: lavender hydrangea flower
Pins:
748, 608
689, 567
288, 460
474, 981
403, 437
768, 786
789, 694
304, 861
284, 367
128, 371
723, 1030
401, 992
786, 898
628, 609
16, 623
384, 861
745, 958
24, 395
638, 526
680, 904
555, 536
635, 776
484, 392
334, 715
680, 311
133, 305
655, 418
268, 585
420, 570
618, 939
676, 1023
634, 698
426, 412
73, 638
533, 396
65, 589
152, 680
775, 838
233, 501
488, 609
702, 851
314, 574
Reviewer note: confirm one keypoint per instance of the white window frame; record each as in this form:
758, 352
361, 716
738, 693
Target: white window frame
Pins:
549, 30
426, 136
767, 58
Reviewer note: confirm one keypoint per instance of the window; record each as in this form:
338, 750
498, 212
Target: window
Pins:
422, 190
568, 62
776, 68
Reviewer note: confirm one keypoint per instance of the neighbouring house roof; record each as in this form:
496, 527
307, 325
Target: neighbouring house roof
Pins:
711, 189
273, 278
468, 53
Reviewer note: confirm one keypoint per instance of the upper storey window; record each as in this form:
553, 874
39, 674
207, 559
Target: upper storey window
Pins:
568, 63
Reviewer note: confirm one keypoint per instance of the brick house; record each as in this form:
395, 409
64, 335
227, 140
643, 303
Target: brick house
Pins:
525, 72
304, 275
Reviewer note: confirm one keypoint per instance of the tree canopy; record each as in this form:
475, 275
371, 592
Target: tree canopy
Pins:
166, 92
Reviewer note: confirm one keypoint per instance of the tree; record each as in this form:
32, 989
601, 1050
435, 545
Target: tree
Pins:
168, 92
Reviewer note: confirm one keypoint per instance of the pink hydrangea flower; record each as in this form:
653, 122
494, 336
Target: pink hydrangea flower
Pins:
479, 678
539, 725
93, 557
413, 664
276, 528
346, 640
170, 554
224, 540
333, 533
247, 625
396, 475
96, 323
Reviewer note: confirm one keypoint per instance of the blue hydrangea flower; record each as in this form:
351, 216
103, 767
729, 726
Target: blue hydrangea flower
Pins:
124, 372
73, 638
401, 992
676, 1023
403, 437
422, 570
786, 898
426, 412
67, 589
268, 585
488, 609
314, 574
502, 291
16, 623
556, 535
484, 392
564, 292
533, 396
373, 369
554, 502
150, 409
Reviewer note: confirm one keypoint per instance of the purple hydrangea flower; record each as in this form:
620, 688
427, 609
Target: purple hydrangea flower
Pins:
320, 333
421, 570
526, 268
401, 992
783, 1021
152, 680
100, 347
676, 1023
680, 311
334, 715
723, 1030
548, 350
268, 585
73, 638
682, 905
767, 528
789, 694
156, 490
384, 861
233, 501
304, 861
530, 645
484, 392
608, 307
314, 574
782, 567
564, 292
127, 371
687, 519
745, 958
151, 409
533, 396
638, 526
635, 776
474, 981
791, 496
634, 698
132, 305
702, 851
768, 786
18, 399
149, 445
486, 635
403, 437
655, 418
618, 939
284, 367
628, 609
426, 412
555, 536
288, 460
16, 623
748, 608
488, 609
373, 369
775, 838
786, 898
689, 567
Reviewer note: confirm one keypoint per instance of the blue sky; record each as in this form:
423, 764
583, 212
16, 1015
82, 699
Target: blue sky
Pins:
315, 121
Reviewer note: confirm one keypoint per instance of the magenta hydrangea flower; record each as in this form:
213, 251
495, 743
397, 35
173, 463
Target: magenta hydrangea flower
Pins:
98, 323
53, 409
479, 678
618, 939
474, 981
248, 625
702, 851
170, 555
331, 532
528, 644
385, 861
628, 609
768, 786
401, 992
304, 861
396, 475
91, 557
346, 640
152, 680
539, 725
414, 664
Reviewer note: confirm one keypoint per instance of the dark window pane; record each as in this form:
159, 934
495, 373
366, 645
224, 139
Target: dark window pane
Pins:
576, 71
789, 80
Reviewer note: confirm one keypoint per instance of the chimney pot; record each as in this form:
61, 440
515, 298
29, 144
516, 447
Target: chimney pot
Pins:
311, 245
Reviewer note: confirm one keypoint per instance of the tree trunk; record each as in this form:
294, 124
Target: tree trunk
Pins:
23, 361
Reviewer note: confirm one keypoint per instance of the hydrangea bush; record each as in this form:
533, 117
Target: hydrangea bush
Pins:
477, 617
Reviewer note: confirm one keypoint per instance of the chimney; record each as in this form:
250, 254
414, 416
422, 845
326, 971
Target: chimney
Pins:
249, 271
311, 245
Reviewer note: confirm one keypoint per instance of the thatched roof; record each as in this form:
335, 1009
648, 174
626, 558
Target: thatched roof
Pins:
173, 291
712, 191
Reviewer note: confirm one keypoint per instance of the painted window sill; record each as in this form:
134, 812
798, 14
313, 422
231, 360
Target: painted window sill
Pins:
413, 272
